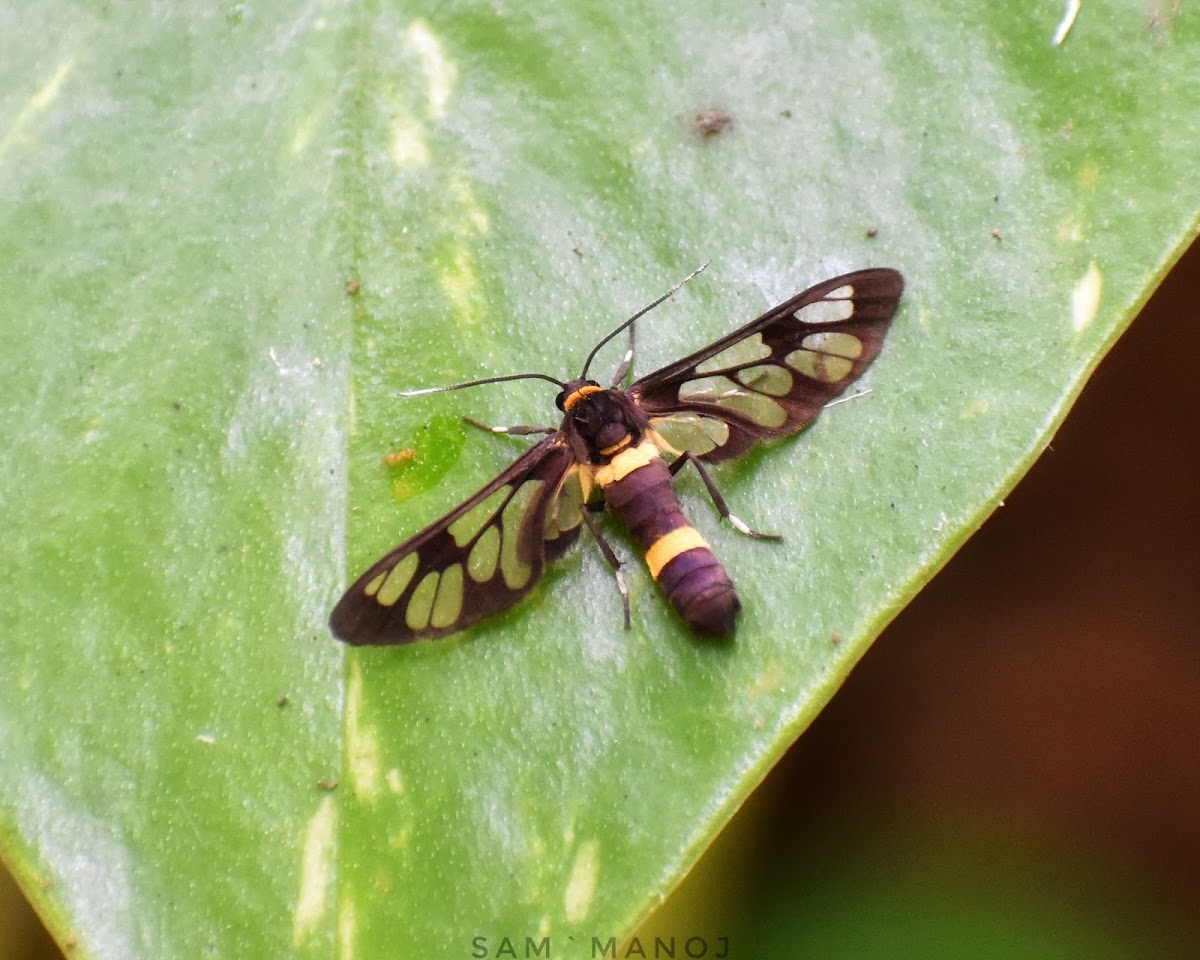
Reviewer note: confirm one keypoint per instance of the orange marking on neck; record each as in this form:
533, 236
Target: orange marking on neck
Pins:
585, 390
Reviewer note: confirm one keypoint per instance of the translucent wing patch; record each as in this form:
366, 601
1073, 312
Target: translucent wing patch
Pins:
693, 432
772, 377
565, 515
476, 561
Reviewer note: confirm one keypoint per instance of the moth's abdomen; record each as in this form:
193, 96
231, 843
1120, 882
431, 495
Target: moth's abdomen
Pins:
637, 486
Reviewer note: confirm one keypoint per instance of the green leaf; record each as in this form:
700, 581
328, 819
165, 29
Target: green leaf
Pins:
197, 409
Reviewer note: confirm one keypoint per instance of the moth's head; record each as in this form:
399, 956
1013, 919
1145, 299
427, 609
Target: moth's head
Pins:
597, 415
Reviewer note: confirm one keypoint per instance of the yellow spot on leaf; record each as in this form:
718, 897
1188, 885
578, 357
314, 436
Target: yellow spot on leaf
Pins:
362, 743
440, 73
395, 781
767, 681
347, 926
1085, 298
459, 283
316, 873
400, 839
407, 147
1068, 231
577, 899
976, 408
303, 134
461, 191
36, 104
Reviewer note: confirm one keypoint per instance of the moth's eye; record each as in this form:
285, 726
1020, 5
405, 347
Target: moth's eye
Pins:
558, 401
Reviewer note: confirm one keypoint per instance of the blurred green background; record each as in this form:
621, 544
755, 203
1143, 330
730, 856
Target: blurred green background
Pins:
1012, 770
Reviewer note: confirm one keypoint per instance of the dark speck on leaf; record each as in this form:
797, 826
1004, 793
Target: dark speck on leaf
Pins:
710, 123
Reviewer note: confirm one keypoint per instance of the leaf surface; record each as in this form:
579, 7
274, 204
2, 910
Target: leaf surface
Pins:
232, 234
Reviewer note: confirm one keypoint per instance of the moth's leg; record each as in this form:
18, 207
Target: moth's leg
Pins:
626, 363
517, 431
612, 562
717, 499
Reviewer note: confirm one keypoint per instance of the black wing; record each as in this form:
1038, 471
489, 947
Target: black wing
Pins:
477, 560
772, 377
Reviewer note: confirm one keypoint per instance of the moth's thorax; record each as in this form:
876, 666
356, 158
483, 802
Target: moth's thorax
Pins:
604, 421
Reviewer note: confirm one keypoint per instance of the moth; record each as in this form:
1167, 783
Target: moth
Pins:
767, 380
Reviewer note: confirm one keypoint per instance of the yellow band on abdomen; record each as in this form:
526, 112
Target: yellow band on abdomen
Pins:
670, 545
625, 462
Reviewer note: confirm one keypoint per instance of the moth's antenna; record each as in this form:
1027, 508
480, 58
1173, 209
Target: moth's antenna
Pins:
477, 383
853, 396
646, 309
